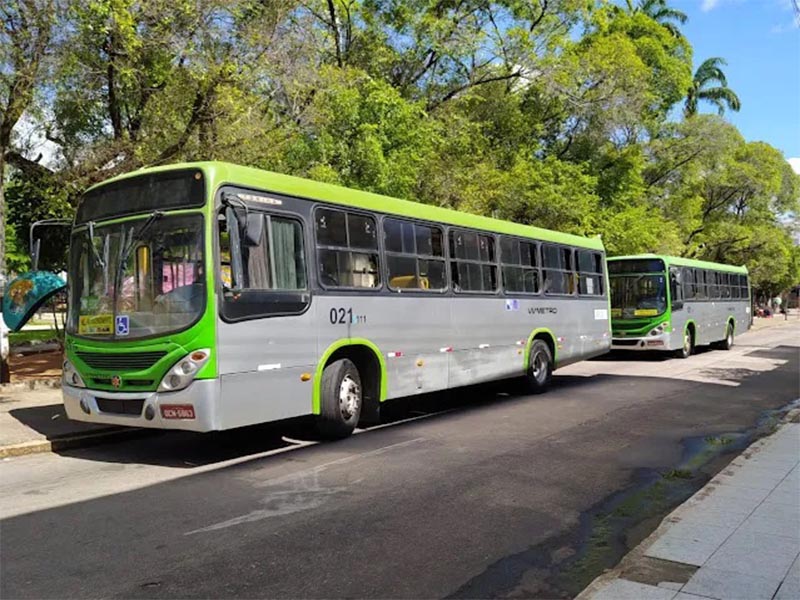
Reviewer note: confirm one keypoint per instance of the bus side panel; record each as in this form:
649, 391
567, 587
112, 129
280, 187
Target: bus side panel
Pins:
711, 320
260, 364
483, 339
409, 331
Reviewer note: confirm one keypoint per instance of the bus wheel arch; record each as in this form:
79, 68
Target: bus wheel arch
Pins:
727, 342
689, 341
540, 361
371, 369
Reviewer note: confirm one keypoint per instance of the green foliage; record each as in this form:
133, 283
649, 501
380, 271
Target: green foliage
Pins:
553, 114
702, 88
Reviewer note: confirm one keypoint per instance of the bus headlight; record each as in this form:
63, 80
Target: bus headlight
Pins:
70, 376
184, 371
661, 328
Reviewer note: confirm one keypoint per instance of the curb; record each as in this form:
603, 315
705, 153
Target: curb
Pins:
73, 442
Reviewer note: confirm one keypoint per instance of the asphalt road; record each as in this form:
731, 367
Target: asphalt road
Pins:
478, 493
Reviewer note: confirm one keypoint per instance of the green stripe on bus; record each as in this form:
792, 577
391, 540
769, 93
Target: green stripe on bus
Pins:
315, 394
219, 173
533, 334
683, 262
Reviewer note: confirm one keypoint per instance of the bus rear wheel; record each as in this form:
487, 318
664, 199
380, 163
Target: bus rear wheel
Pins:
540, 368
688, 345
727, 343
341, 397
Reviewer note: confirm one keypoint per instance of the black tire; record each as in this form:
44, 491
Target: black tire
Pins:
688, 345
540, 368
340, 408
727, 343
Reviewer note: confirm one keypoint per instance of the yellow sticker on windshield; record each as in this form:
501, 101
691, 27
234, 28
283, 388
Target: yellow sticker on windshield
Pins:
96, 325
645, 312
616, 312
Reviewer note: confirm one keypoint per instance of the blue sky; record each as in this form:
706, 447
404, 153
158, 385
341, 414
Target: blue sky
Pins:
760, 39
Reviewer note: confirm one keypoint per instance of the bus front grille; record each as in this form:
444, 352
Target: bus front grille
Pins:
120, 407
127, 382
127, 361
617, 342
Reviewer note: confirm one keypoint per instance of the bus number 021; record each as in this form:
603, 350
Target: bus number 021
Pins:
342, 316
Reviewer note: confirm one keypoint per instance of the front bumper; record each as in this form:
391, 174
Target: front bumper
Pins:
202, 395
646, 342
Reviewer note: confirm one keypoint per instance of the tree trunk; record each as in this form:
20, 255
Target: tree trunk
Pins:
5, 373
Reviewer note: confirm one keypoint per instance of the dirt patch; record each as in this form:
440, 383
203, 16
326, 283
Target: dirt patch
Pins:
45, 365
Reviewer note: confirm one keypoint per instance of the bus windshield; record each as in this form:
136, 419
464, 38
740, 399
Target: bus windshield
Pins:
638, 295
136, 279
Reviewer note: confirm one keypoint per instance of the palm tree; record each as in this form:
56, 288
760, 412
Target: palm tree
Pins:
703, 88
661, 13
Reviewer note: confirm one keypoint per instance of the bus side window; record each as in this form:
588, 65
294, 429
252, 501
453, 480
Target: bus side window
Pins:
473, 265
347, 249
590, 268
558, 272
688, 284
713, 286
275, 262
414, 256
675, 289
701, 293
520, 263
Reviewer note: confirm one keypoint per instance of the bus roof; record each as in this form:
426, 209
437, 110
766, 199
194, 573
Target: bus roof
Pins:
226, 173
684, 262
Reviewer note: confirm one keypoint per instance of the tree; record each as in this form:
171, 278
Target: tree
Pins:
703, 88
661, 13
25, 39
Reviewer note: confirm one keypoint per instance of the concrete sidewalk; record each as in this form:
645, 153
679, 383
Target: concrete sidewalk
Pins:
32, 419
736, 538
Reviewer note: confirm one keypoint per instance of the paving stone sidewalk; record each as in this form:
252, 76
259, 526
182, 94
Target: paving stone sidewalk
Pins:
736, 538
32, 419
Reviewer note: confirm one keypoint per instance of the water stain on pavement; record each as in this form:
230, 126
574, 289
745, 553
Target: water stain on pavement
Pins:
563, 566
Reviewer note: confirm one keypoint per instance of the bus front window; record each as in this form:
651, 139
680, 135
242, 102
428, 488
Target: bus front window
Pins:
638, 295
130, 281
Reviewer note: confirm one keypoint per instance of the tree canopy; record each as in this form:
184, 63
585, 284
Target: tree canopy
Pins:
558, 113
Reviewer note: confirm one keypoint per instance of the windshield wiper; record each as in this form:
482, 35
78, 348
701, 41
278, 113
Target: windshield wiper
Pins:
137, 237
125, 251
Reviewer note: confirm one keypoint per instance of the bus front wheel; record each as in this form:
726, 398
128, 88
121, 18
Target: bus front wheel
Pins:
688, 345
340, 399
540, 368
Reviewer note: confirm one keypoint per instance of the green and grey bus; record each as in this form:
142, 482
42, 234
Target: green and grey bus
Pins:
209, 296
676, 304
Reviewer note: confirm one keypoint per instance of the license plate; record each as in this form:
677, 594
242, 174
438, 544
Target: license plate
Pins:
177, 411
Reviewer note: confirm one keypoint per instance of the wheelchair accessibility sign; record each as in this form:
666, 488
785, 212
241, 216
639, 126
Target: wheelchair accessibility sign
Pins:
122, 325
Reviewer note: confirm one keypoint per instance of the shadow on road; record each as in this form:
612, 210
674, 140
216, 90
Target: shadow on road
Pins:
189, 450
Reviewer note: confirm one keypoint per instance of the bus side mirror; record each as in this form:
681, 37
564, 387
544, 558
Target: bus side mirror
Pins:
253, 229
677, 304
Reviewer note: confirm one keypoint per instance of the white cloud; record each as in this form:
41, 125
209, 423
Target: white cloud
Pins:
795, 162
709, 5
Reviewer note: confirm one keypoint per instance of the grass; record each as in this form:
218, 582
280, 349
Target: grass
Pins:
26, 337
719, 441
678, 474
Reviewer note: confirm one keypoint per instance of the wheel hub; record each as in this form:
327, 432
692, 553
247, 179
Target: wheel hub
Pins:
538, 366
349, 397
